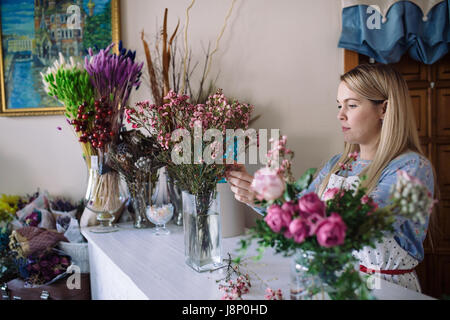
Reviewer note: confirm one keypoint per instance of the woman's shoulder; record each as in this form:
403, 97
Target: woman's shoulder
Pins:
409, 159
415, 164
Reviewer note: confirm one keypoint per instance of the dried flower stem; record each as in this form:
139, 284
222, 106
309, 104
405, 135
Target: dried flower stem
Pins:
220, 36
186, 46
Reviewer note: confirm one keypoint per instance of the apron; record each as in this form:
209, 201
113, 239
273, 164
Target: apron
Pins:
387, 255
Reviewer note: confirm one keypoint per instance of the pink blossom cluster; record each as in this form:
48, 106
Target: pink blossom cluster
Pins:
305, 218
348, 166
233, 290
279, 151
177, 113
273, 294
220, 113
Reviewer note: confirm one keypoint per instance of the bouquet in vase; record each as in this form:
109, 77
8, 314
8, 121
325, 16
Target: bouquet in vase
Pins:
323, 233
194, 166
95, 96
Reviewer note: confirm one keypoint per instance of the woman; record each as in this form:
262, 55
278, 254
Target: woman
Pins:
375, 111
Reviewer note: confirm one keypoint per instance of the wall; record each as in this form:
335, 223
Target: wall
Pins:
280, 56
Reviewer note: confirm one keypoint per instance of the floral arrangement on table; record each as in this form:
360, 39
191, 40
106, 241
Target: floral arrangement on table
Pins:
136, 158
328, 230
198, 177
95, 96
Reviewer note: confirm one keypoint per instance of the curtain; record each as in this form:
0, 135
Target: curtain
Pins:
387, 29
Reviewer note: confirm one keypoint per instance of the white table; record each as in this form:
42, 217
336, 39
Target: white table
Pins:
135, 264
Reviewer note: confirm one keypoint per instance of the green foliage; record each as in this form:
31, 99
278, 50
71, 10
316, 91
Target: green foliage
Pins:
72, 87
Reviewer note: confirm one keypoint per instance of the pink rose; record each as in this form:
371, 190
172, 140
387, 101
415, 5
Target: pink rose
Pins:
291, 207
310, 203
299, 229
314, 221
267, 184
277, 218
331, 231
330, 194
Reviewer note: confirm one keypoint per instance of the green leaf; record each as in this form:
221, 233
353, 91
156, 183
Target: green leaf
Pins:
305, 179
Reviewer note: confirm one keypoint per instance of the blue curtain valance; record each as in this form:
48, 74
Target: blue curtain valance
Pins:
404, 29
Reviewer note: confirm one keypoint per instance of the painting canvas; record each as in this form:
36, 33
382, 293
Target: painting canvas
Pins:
34, 32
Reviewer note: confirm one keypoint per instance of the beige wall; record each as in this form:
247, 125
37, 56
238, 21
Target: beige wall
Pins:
279, 55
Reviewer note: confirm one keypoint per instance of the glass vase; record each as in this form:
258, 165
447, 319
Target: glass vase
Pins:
304, 286
202, 231
175, 195
106, 195
140, 198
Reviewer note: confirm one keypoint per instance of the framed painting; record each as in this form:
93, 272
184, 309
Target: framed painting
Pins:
34, 32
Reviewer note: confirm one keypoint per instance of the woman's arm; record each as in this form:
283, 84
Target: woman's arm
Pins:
241, 180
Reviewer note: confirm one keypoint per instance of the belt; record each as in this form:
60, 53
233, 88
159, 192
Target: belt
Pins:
392, 272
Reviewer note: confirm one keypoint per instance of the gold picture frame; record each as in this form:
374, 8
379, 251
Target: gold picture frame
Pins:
29, 45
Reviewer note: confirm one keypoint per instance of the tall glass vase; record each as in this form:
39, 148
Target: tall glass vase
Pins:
141, 191
106, 195
176, 199
202, 231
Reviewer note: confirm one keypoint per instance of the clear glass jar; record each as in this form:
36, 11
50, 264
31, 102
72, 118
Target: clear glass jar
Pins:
202, 231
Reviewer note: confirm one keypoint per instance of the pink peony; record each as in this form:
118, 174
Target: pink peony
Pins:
291, 207
310, 203
330, 194
314, 221
267, 184
331, 231
299, 229
277, 218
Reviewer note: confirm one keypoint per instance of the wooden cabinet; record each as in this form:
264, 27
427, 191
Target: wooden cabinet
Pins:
429, 87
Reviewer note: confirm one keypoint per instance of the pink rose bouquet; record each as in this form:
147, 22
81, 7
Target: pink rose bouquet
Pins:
331, 226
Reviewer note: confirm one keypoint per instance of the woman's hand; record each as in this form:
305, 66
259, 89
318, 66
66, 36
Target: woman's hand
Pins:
240, 181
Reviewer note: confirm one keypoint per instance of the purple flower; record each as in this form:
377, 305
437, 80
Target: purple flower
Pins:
44, 263
55, 260
64, 261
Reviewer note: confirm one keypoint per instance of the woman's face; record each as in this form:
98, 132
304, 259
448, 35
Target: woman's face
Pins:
360, 118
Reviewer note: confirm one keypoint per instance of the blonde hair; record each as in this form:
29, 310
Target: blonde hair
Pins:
378, 83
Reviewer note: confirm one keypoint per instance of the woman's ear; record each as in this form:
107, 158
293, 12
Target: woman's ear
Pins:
383, 109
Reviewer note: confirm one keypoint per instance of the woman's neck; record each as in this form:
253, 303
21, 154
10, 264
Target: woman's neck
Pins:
367, 152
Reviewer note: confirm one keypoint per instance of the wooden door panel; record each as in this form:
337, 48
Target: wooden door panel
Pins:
443, 69
419, 102
443, 169
443, 226
443, 112
425, 150
411, 69
444, 270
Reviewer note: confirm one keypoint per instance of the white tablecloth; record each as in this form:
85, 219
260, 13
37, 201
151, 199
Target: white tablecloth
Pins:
135, 264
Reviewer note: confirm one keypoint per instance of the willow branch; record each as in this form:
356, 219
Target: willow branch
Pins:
220, 36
